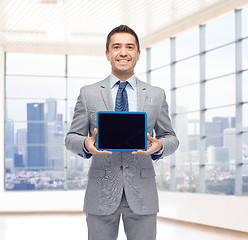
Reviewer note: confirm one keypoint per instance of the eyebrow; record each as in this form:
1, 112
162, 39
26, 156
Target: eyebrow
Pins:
129, 44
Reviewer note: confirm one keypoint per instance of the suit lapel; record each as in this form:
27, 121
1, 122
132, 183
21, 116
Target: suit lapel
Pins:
141, 95
106, 94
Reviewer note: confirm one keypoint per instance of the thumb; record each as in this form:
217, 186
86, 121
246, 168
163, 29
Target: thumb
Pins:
94, 133
151, 139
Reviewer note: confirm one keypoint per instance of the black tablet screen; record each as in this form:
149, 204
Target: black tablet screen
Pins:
121, 131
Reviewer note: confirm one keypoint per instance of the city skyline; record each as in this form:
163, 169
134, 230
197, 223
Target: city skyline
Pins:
44, 136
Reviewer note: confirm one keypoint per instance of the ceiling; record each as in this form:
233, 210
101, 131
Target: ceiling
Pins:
81, 26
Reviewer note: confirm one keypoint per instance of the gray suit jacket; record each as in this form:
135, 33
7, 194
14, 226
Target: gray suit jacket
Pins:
109, 174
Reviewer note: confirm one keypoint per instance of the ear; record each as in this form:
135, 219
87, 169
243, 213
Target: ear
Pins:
138, 55
107, 55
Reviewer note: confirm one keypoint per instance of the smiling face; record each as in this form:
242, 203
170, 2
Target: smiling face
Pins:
123, 54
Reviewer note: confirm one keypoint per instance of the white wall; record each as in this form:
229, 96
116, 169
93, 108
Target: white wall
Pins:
215, 210
229, 212
41, 201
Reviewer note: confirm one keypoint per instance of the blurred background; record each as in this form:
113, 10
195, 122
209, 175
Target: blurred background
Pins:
196, 50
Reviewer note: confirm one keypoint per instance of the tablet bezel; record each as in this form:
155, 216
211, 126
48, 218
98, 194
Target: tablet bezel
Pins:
121, 150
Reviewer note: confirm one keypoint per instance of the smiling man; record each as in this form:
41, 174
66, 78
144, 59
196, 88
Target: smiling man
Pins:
123, 52
121, 183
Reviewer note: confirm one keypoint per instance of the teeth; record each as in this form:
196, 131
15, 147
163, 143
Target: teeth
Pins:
123, 60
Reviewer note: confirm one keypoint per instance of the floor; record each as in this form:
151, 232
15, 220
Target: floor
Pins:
65, 226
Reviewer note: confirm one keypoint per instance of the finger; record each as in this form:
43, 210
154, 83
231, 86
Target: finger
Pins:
102, 152
92, 147
150, 138
105, 152
149, 151
94, 151
137, 152
141, 152
94, 133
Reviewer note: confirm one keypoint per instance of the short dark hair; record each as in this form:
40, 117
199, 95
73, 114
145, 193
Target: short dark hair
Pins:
122, 29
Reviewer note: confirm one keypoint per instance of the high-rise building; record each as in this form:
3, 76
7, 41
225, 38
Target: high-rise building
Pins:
229, 142
182, 129
219, 156
214, 128
18, 160
55, 134
21, 143
51, 113
9, 139
217, 127
36, 135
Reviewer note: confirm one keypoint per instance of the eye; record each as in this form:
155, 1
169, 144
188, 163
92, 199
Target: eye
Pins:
130, 47
116, 47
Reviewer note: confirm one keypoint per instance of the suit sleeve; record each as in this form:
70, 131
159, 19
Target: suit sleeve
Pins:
163, 129
79, 127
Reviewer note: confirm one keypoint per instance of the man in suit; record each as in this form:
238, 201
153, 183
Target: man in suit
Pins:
121, 183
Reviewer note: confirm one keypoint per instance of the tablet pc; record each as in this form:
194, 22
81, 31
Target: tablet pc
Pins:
121, 131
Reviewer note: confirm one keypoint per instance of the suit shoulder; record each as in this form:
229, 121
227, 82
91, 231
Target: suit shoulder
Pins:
152, 89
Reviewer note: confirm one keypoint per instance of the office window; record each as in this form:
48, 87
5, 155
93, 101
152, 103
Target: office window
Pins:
42, 87
41, 93
88, 66
245, 116
245, 164
188, 98
187, 44
163, 176
187, 156
220, 178
82, 71
245, 179
40, 100
187, 71
221, 118
215, 97
161, 78
187, 178
203, 91
140, 68
245, 57
188, 131
220, 61
35, 64
205, 108
245, 22
160, 54
142, 77
34, 122
220, 31
245, 86
245, 106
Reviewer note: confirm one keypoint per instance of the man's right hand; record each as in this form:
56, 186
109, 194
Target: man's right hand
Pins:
90, 145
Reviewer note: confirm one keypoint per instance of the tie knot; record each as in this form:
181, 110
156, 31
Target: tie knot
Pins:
122, 85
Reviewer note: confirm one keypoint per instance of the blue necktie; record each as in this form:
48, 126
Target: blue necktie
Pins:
121, 101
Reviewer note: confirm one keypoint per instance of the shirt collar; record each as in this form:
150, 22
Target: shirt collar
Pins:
114, 80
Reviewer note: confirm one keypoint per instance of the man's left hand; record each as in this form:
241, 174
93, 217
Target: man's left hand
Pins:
154, 146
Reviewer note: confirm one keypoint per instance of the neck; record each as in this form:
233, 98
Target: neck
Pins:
123, 77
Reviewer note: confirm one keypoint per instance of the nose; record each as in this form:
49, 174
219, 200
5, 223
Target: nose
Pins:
123, 51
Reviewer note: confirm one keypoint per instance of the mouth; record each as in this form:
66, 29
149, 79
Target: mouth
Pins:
123, 60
